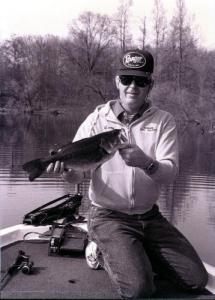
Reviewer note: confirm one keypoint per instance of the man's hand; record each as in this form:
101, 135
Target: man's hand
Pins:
57, 167
134, 156
67, 174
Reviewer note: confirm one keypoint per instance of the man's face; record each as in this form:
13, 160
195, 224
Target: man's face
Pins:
132, 96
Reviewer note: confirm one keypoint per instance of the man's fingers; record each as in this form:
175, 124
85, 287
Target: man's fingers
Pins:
124, 146
130, 149
125, 150
122, 151
57, 167
50, 168
62, 167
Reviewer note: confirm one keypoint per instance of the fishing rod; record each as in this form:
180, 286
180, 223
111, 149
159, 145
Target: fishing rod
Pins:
22, 263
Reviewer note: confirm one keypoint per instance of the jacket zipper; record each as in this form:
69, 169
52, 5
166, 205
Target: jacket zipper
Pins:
133, 169
132, 174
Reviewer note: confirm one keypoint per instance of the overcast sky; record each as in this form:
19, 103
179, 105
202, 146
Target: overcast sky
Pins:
41, 17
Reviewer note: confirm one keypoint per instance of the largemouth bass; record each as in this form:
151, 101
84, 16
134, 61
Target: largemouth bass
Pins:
84, 154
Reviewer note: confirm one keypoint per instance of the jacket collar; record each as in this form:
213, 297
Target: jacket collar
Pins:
119, 110
107, 111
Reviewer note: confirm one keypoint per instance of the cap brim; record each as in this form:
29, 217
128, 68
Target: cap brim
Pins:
133, 72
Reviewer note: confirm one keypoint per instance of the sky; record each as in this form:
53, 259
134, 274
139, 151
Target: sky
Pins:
42, 17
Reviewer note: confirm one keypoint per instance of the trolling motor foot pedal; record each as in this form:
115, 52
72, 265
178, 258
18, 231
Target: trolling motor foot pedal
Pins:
67, 239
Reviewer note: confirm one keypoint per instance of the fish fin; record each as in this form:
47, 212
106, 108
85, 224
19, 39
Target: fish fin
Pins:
123, 137
104, 145
110, 147
34, 168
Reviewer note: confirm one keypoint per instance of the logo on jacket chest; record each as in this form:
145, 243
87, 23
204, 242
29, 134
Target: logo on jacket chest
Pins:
149, 128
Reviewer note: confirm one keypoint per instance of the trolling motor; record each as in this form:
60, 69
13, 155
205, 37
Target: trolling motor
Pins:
22, 263
45, 215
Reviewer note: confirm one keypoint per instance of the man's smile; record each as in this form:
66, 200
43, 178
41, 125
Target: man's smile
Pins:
132, 93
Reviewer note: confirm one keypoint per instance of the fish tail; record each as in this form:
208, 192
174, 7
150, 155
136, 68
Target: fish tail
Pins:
34, 168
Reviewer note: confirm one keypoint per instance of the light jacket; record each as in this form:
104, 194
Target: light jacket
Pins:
116, 186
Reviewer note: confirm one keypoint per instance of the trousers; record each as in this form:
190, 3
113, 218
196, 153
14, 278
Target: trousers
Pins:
136, 247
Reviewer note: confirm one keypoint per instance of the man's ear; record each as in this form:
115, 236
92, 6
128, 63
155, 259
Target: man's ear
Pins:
117, 81
151, 85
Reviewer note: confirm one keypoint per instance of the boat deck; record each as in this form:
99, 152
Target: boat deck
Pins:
66, 277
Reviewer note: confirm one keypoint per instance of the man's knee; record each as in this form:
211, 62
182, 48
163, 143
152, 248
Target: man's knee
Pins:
200, 280
197, 279
137, 289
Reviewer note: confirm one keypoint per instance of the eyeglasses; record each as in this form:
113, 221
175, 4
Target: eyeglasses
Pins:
140, 81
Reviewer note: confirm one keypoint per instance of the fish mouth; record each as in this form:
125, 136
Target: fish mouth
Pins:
111, 147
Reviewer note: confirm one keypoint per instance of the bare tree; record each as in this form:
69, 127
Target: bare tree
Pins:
92, 37
91, 34
178, 52
159, 27
143, 32
122, 21
182, 41
31, 71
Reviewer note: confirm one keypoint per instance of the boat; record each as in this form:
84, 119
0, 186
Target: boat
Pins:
66, 275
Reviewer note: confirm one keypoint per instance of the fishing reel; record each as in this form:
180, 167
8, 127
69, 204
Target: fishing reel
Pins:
27, 267
22, 263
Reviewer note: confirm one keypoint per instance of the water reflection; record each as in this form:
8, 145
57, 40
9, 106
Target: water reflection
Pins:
189, 203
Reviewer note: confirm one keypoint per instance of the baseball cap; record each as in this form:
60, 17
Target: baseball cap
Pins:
136, 62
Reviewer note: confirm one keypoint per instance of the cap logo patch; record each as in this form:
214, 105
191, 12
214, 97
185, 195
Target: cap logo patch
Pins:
134, 60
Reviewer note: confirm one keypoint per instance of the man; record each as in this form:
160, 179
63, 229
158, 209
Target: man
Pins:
124, 221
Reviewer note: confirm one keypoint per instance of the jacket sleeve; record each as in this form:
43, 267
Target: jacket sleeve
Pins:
86, 129
167, 152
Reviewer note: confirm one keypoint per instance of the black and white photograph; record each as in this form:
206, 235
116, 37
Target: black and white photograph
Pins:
107, 149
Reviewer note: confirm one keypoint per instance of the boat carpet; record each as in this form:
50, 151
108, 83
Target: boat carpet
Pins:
66, 277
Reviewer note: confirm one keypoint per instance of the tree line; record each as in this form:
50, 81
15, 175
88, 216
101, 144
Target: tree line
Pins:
64, 74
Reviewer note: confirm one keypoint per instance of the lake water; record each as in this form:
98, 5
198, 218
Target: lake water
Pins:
189, 204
